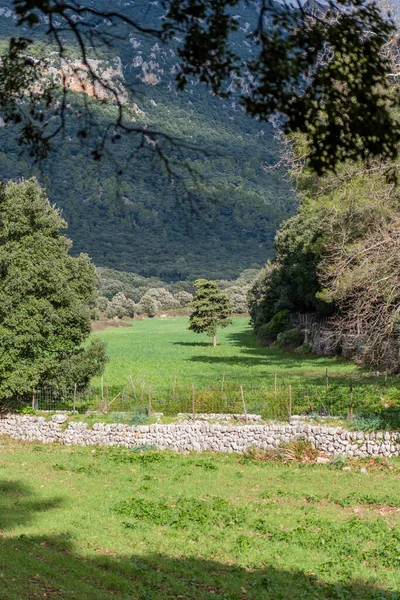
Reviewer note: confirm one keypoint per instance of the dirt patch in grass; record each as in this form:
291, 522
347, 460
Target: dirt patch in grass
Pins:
383, 510
104, 323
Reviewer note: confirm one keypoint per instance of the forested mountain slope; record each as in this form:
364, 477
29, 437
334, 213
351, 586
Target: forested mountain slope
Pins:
141, 221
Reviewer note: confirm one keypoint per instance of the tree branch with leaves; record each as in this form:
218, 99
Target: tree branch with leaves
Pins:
342, 104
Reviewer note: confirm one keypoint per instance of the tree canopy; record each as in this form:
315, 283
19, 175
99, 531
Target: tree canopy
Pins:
211, 309
339, 256
46, 298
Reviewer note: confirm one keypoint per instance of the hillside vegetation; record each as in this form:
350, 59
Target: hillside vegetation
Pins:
114, 286
142, 221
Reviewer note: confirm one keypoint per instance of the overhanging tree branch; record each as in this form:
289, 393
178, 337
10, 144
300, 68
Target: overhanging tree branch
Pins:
323, 73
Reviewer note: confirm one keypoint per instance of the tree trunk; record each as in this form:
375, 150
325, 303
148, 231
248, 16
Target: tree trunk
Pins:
214, 340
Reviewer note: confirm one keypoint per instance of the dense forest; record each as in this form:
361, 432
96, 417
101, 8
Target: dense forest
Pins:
218, 212
126, 294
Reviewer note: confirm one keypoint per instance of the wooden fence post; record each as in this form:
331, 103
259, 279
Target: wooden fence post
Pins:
33, 399
193, 403
244, 404
290, 402
326, 382
150, 408
351, 401
75, 386
132, 385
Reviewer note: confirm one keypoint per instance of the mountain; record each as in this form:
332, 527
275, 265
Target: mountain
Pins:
142, 220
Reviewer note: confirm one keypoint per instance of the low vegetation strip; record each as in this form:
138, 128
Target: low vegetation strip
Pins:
116, 523
200, 436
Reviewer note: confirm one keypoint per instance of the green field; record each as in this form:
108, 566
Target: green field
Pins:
77, 523
159, 352
160, 348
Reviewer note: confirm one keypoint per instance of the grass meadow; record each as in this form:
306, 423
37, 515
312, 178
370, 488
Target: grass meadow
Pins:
95, 524
162, 359
159, 349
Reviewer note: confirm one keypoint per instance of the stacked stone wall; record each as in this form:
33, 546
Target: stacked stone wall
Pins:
202, 436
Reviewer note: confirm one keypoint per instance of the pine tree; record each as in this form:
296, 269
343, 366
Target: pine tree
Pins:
211, 309
46, 298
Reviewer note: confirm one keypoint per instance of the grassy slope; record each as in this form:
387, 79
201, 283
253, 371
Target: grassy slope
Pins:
161, 348
275, 532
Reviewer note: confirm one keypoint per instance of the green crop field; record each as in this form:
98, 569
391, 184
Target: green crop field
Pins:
84, 524
162, 359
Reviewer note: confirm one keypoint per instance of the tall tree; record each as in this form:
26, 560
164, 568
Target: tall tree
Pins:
46, 297
211, 309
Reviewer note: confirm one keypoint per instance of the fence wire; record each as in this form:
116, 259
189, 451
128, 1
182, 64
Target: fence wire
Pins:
274, 399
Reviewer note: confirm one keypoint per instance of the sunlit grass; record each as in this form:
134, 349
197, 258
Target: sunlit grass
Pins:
161, 359
159, 349
78, 523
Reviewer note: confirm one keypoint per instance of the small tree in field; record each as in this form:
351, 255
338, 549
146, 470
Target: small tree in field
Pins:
211, 309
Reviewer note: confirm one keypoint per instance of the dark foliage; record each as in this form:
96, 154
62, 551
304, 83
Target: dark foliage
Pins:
46, 298
337, 102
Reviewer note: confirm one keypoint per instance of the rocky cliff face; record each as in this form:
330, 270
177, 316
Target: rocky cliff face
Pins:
97, 79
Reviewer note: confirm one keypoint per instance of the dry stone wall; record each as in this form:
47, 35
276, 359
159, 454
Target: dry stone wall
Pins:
201, 436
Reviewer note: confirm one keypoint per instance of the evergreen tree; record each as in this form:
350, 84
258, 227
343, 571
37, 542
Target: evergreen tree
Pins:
46, 297
211, 309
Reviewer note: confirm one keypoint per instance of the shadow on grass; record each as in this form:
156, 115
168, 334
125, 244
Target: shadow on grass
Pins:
18, 504
50, 567
40, 567
193, 344
270, 358
251, 354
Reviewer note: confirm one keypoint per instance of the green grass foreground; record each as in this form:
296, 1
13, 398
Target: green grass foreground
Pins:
84, 524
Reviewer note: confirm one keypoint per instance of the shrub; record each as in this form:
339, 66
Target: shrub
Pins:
183, 298
292, 338
147, 306
297, 450
163, 298
304, 348
102, 303
268, 333
367, 423
238, 298
26, 410
120, 306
